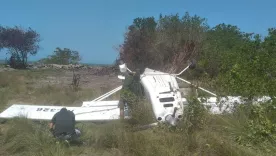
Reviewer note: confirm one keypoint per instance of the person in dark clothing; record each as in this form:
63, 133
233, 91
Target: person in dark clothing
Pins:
62, 124
132, 83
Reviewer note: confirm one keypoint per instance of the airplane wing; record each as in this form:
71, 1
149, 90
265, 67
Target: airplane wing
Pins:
96, 110
90, 111
226, 104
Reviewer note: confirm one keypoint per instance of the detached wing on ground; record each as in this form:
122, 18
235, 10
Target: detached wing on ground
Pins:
90, 111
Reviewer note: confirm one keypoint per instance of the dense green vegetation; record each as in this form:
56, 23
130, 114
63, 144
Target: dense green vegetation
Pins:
236, 62
230, 62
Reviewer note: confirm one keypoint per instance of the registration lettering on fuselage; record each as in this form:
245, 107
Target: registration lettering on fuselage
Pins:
49, 109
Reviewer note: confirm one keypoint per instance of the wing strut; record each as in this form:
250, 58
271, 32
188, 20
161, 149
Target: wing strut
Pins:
197, 87
108, 94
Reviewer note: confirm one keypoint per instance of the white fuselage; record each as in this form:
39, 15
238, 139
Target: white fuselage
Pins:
162, 91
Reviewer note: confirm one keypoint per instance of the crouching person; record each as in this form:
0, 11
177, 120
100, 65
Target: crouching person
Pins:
62, 126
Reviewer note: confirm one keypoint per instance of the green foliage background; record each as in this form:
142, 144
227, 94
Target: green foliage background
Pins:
229, 61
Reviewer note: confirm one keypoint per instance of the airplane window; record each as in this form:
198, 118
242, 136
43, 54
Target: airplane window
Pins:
169, 99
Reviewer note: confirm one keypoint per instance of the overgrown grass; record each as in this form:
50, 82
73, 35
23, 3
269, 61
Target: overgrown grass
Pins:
19, 87
200, 133
216, 136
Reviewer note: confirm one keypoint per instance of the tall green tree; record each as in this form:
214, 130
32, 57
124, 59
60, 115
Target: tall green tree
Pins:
253, 70
20, 43
221, 42
165, 44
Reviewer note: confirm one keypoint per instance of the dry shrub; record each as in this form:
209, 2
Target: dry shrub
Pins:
76, 81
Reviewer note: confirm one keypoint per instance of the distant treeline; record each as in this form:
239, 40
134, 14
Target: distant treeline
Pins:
20, 43
4, 62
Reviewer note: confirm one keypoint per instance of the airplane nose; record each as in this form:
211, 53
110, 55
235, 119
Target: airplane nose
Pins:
171, 120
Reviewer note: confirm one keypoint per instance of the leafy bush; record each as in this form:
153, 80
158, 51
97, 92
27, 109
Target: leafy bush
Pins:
260, 126
62, 56
195, 115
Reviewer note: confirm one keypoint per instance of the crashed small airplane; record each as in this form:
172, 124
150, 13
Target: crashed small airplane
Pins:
161, 89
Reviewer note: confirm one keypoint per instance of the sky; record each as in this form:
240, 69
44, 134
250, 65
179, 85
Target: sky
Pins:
95, 27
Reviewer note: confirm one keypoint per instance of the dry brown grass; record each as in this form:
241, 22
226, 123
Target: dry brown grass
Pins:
37, 87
